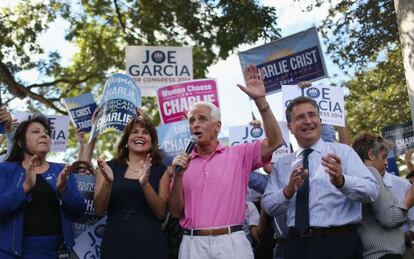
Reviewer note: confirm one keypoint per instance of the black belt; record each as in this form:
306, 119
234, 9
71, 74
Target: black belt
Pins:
280, 241
213, 231
310, 232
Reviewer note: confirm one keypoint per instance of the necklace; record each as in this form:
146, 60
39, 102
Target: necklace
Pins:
133, 169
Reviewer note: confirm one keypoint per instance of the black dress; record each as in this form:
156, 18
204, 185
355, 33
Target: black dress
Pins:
132, 230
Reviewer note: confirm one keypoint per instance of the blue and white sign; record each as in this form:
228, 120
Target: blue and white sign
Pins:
118, 106
249, 134
289, 60
88, 244
329, 99
86, 187
81, 109
401, 136
173, 139
59, 125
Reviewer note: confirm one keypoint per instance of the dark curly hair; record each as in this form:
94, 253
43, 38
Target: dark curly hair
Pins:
146, 123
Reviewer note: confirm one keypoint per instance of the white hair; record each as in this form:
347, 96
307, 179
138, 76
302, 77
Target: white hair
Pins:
214, 111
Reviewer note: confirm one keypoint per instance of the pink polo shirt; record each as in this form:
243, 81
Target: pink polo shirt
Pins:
215, 189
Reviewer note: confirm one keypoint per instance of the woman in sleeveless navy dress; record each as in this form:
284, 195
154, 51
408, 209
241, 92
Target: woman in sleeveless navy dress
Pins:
133, 190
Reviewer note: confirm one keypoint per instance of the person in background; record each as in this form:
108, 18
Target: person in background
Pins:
38, 198
83, 168
251, 223
311, 182
83, 165
133, 189
410, 166
9, 130
380, 226
409, 227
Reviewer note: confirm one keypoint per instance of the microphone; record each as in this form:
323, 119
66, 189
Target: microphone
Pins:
188, 150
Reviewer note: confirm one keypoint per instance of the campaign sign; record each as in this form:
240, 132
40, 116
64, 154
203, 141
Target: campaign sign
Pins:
86, 187
402, 137
288, 60
88, 244
175, 100
329, 99
81, 109
249, 134
173, 138
59, 125
118, 106
154, 66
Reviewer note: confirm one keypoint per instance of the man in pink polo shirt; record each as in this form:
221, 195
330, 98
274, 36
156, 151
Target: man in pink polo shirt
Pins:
209, 194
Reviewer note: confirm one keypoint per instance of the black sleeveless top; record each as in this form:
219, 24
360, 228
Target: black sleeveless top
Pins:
41, 213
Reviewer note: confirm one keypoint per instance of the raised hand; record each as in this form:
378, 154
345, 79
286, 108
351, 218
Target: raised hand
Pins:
106, 171
296, 179
30, 180
304, 84
63, 179
5, 117
95, 115
333, 167
144, 167
80, 136
254, 82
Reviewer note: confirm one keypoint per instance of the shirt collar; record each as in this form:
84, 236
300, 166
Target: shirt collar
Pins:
317, 146
220, 148
387, 179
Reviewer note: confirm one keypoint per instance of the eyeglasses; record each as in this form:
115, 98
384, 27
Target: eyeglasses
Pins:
310, 115
82, 169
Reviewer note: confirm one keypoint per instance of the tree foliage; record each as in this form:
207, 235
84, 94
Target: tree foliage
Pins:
378, 97
101, 29
363, 36
357, 31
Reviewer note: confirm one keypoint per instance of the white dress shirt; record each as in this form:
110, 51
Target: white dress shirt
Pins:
328, 205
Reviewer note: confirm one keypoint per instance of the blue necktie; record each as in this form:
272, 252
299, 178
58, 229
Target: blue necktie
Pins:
302, 198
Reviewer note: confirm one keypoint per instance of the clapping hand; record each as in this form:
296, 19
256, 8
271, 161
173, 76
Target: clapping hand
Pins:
30, 180
333, 167
63, 178
296, 180
144, 167
106, 171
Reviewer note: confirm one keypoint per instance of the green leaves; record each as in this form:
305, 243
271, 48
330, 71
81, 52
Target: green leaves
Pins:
101, 29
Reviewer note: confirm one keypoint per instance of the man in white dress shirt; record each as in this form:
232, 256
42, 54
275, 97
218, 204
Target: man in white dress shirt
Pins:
321, 186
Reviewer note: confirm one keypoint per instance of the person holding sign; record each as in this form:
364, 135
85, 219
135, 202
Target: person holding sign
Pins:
133, 190
380, 226
38, 199
8, 125
209, 191
321, 186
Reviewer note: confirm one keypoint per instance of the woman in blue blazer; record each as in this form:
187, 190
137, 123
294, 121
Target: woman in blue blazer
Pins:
37, 198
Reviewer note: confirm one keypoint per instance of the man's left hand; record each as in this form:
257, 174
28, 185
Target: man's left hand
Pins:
333, 167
